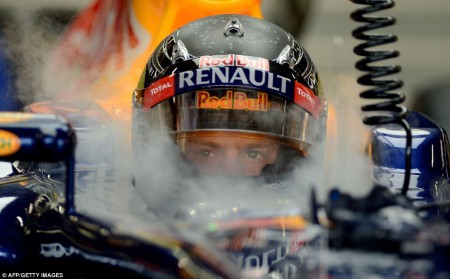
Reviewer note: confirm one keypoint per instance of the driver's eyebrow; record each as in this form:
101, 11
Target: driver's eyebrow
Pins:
247, 146
258, 145
207, 143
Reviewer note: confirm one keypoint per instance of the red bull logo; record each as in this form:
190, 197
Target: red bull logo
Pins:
252, 62
234, 60
216, 61
233, 100
9, 143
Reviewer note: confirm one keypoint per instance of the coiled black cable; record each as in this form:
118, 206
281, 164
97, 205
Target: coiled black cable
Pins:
393, 112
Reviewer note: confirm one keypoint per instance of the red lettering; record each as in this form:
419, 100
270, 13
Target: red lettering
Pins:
233, 100
214, 61
204, 61
229, 60
252, 62
202, 98
205, 101
240, 99
241, 60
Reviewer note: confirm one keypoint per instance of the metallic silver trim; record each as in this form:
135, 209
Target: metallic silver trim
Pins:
233, 27
179, 52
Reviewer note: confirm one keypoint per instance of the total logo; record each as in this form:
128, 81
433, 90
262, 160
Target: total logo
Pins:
306, 99
234, 60
159, 91
160, 87
306, 95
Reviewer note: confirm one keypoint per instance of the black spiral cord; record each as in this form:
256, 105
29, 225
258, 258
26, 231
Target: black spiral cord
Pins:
381, 88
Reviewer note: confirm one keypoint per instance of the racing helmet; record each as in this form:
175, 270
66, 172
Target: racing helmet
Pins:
233, 74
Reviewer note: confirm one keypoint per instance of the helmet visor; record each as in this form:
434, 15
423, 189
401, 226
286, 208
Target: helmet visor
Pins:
234, 110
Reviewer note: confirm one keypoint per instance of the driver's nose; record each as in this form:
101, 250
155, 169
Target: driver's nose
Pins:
231, 165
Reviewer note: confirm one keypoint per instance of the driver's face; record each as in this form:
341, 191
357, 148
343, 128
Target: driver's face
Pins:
231, 156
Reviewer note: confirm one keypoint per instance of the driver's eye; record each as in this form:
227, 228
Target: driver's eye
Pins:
206, 153
252, 154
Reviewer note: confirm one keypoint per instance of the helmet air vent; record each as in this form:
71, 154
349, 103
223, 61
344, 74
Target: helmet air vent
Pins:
286, 57
233, 28
179, 52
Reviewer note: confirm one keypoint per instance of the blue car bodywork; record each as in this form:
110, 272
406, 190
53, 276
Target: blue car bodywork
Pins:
8, 92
